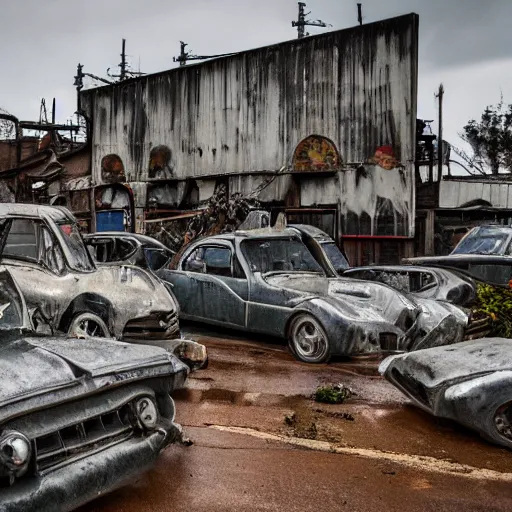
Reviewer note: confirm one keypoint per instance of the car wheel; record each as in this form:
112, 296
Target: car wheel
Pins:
499, 424
307, 339
87, 325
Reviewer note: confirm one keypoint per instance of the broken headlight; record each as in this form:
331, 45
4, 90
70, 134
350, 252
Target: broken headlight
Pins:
147, 413
15, 453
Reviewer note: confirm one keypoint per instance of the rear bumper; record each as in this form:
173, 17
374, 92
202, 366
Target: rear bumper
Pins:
88, 478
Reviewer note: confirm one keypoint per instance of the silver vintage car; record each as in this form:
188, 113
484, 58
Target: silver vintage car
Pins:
45, 252
77, 417
470, 382
267, 281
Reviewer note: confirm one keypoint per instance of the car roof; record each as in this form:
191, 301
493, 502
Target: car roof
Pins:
55, 213
142, 239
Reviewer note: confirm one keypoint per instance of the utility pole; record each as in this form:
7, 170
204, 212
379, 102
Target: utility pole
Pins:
360, 13
440, 95
185, 56
302, 22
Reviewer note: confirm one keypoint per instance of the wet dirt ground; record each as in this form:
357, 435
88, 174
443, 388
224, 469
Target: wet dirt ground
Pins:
261, 443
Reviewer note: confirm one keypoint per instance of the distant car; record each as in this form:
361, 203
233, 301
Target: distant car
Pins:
77, 417
469, 382
119, 247
267, 281
45, 252
485, 254
420, 282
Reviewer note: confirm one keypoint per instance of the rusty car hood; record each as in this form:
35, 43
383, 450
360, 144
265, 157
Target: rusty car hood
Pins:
375, 299
35, 365
449, 364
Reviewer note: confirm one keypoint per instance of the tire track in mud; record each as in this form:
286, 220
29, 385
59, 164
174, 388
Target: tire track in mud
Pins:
422, 462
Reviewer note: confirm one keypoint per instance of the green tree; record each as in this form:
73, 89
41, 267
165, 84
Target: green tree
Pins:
491, 137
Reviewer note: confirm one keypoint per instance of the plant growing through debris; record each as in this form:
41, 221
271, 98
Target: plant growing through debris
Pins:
496, 303
333, 394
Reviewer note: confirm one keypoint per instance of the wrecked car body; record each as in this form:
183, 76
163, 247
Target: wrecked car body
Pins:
420, 282
484, 253
267, 281
469, 383
128, 249
77, 418
43, 249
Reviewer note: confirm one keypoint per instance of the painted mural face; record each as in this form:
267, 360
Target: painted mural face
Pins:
384, 157
112, 169
160, 163
316, 153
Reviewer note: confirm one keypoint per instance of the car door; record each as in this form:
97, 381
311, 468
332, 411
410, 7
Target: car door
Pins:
38, 265
217, 287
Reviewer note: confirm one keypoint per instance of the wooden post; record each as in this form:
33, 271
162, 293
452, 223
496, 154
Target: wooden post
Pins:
429, 233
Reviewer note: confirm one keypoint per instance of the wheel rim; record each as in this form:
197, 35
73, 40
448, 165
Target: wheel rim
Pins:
309, 340
502, 420
87, 328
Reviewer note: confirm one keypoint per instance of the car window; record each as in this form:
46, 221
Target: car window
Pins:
279, 255
492, 273
50, 253
80, 258
156, 258
335, 256
21, 241
102, 249
210, 260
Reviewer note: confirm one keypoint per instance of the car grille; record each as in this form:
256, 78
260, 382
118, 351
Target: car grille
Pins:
154, 327
95, 433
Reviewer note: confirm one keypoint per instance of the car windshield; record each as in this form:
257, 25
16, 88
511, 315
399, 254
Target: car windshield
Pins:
335, 256
11, 306
80, 258
482, 242
279, 255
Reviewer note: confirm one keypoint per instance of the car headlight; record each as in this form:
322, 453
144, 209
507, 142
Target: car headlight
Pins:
147, 412
15, 452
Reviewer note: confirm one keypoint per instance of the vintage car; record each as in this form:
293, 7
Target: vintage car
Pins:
485, 254
45, 252
267, 281
77, 417
421, 282
470, 382
119, 247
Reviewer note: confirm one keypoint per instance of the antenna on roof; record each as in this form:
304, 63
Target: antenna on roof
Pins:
124, 69
186, 56
302, 22
360, 13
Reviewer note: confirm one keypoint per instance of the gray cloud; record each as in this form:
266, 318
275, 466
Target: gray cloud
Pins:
48, 39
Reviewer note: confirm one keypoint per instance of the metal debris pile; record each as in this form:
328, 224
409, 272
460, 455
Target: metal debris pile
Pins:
222, 214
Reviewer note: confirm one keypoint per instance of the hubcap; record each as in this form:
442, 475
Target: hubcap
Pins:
309, 340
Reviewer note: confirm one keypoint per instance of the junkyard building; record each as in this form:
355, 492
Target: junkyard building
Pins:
322, 128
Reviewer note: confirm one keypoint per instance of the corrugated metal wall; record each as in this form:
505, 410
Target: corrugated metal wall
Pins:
247, 113
453, 194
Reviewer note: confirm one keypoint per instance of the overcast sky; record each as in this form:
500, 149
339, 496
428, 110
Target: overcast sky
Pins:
466, 44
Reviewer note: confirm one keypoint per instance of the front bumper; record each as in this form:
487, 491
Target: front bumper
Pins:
85, 479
